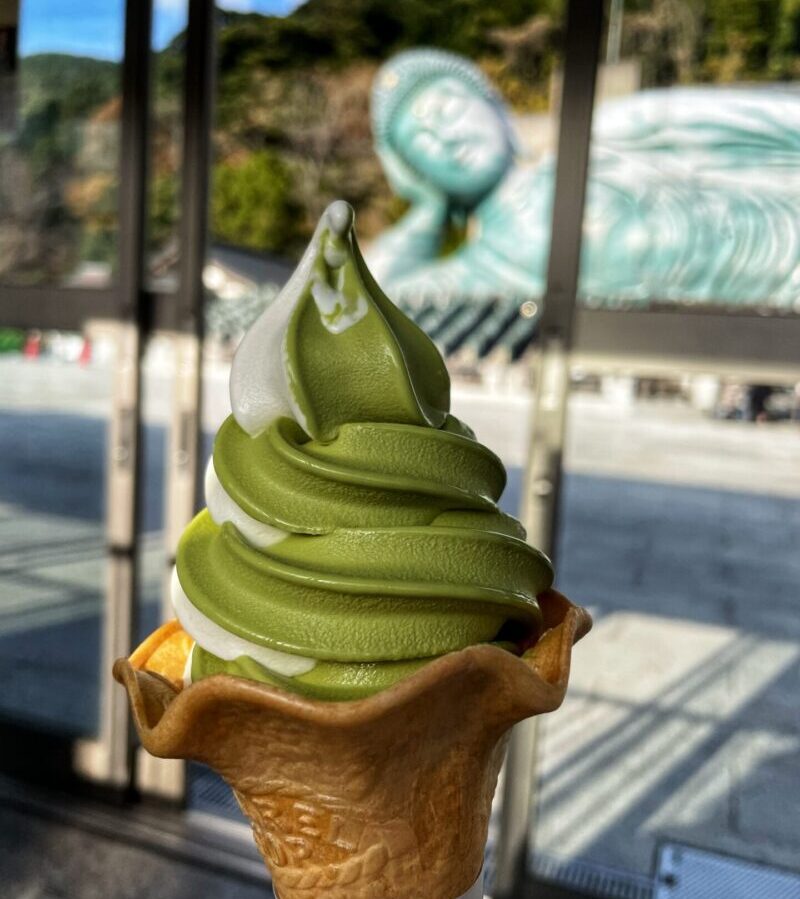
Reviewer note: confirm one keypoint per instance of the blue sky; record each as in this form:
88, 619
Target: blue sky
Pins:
96, 27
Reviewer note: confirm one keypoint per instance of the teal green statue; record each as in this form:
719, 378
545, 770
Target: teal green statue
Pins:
693, 193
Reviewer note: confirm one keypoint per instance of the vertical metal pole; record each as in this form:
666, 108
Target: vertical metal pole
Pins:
9, 68
186, 430
166, 777
543, 475
198, 119
108, 758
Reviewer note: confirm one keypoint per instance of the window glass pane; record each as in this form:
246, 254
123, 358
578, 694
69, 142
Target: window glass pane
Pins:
680, 725
682, 500
55, 401
59, 141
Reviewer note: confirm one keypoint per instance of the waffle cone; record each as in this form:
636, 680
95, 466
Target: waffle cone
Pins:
382, 798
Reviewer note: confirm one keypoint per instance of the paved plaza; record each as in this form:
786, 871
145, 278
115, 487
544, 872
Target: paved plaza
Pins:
42, 857
679, 532
681, 721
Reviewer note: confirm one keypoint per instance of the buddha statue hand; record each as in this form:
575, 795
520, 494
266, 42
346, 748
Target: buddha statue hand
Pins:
409, 185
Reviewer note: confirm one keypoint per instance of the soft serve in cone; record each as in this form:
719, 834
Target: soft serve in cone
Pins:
359, 613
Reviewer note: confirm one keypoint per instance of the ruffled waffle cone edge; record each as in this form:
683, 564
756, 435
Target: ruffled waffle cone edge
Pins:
381, 798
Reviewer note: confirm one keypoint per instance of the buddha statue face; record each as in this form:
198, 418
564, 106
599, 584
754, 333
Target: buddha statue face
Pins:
454, 138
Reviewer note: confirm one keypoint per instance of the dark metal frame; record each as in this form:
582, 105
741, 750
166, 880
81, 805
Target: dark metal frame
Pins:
55, 308
581, 59
741, 345
584, 28
187, 324
68, 308
108, 759
198, 116
183, 320
133, 158
186, 321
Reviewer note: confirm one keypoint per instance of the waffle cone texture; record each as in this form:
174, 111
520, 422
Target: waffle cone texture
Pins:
381, 798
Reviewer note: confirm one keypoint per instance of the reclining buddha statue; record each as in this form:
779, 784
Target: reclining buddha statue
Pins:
692, 195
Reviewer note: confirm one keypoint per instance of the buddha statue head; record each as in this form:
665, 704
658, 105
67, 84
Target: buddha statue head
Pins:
440, 126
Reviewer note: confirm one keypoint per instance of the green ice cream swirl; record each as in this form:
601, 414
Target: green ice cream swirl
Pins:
352, 532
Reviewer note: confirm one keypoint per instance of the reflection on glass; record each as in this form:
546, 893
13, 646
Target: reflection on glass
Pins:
60, 142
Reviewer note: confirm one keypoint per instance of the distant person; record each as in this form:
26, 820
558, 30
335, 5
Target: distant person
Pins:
757, 398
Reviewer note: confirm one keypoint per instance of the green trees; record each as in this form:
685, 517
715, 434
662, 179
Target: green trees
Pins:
250, 203
58, 184
785, 49
689, 41
739, 37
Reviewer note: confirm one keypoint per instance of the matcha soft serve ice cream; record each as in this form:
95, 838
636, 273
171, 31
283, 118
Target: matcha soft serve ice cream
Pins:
351, 533
352, 550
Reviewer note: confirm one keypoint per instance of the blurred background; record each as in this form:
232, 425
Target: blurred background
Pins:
594, 211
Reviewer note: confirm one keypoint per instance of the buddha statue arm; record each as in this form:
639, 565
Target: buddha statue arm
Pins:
416, 238
473, 273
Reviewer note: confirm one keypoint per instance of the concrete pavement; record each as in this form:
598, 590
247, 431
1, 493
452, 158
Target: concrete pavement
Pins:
681, 720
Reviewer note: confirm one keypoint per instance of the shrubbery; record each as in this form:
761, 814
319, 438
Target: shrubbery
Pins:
250, 203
